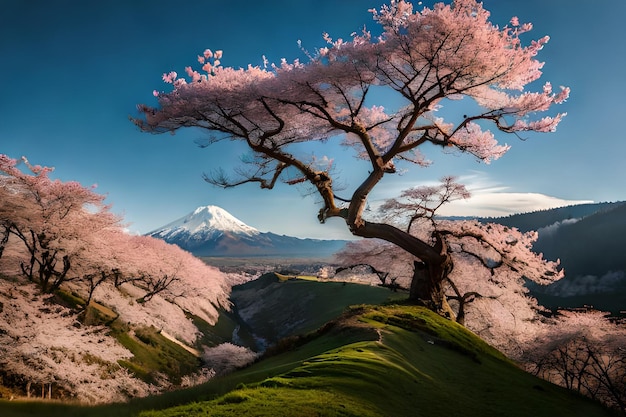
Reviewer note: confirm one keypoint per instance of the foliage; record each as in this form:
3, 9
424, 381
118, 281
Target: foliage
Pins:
61, 238
425, 59
584, 352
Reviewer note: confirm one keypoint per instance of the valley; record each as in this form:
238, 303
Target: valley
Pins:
281, 306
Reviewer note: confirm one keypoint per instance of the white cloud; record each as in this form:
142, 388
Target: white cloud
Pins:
495, 204
489, 198
551, 229
587, 284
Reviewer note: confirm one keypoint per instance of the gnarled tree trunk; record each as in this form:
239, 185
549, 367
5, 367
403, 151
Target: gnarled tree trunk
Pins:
430, 271
427, 286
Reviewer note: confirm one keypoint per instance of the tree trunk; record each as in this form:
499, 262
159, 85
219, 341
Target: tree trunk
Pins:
4, 237
429, 273
427, 286
434, 265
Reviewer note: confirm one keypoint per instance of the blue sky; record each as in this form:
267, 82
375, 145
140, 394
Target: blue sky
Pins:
73, 71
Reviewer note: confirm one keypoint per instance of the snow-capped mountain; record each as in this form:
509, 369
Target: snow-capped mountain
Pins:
205, 222
212, 231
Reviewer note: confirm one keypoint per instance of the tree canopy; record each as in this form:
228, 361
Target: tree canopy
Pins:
425, 58
61, 234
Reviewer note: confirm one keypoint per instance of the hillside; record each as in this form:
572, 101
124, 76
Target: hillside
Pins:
395, 361
117, 348
390, 360
588, 239
275, 306
595, 243
591, 251
543, 218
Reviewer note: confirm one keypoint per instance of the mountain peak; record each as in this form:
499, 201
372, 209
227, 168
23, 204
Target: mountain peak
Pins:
212, 231
216, 217
205, 221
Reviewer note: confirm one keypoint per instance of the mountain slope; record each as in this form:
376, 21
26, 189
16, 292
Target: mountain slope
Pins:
272, 308
390, 361
212, 231
543, 218
393, 360
589, 240
591, 245
591, 251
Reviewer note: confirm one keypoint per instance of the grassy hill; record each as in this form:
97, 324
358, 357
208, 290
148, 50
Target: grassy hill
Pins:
396, 361
276, 306
393, 360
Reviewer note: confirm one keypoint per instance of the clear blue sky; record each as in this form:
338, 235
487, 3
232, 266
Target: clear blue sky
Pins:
72, 71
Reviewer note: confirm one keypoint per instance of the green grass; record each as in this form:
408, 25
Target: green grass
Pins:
393, 360
153, 353
422, 366
385, 360
296, 306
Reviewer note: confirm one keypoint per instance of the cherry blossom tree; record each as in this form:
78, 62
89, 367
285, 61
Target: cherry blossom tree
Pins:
485, 288
226, 357
582, 351
159, 268
43, 345
53, 220
427, 59
61, 236
64, 234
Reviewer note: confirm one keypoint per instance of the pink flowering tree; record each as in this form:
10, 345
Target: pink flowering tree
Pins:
62, 233
582, 351
426, 58
53, 220
490, 264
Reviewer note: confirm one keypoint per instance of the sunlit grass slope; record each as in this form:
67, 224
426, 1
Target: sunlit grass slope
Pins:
396, 361
390, 360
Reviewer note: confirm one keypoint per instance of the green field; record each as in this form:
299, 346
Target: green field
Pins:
394, 360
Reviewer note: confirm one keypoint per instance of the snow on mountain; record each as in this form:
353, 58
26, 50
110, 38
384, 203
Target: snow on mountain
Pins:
205, 222
212, 231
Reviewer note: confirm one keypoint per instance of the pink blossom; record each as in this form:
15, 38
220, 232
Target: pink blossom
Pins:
195, 75
547, 88
170, 77
424, 59
562, 96
526, 27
